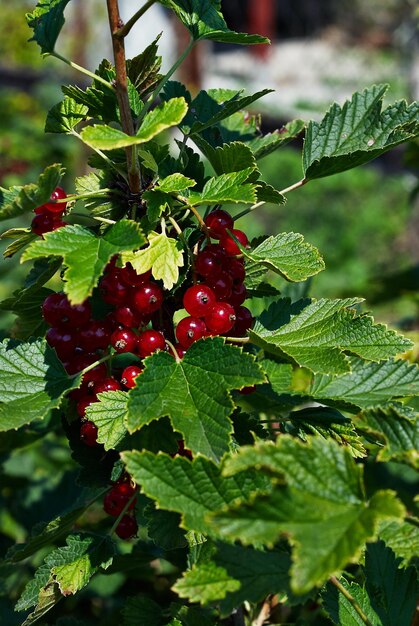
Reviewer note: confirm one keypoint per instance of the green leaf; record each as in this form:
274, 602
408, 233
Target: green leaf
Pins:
157, 202
32, 382
402, 537
21, 236
392, 591
226, 188
30, 594
357, 132
279, 375
64, 116
175, 183
42, 271
322, 508
341, 610
141, 609
204, 20
19, 200
289, 255
108, 415
193, 489
367, 384
231, 157
267, 193
201, 406
164, 116
143, 70
163, 255
396, 431
26, 304
85, 255
47, 20
163, 527
47, 599
316, 332
73, 565
236, 575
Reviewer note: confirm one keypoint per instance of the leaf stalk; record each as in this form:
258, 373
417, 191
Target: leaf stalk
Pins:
351, 600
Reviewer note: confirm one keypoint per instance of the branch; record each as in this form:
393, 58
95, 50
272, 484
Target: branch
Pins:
125, 29
351, 600
264, 612
122, 93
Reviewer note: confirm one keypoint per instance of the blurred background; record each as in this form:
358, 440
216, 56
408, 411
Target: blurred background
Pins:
364, 221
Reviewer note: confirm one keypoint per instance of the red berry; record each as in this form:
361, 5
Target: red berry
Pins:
208, 264
124, 340
221, 318
230, 246
189, 330
238, 295
149, 341
79, 362
244, 321
124, 489
198, 300
95, 336
83, 403
88, 434
179, 349
51, 311
129, 276
126, 316
107, 384
221, 285
58, 224
129, 375
42, 224
127, 527
63, 341
57, 208
236, 270
117, 498
96, 374
217, 222
148, 298
114, 291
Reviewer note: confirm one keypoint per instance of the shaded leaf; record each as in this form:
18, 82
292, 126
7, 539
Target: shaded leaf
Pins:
226, 188
64, 116
47, 20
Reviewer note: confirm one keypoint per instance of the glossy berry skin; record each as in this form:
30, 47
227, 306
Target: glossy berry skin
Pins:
79, 362
218, 222
117, 498
95, 375
51, 309
230, 246
88, 434
63, 341
147, 298
208, 264
57, 208
189, 330
221, 319
129, 375
198, 300
126, 316
127, 527
43, 223
149, 341
124, 340
238, 295
95, 336
57, 311
221, 285
244, 321
236, 270
129, 276
114, 290
83, 403
107, 384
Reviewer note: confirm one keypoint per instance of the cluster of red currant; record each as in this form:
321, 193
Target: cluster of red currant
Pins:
140, 322
122, 497
48, 216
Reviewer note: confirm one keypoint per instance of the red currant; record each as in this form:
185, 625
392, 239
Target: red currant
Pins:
229, 244
149, 341
129, 375
238, 295
107, 384
63, 341
189, 330
126, 316
148, 298
218, 222
127, 527
236, 270
51, 311
198, 300
244, 321
83, 403
88, 434
221, 285
208, 264
79, 362
57, 208
96, 374
42, 224
124, 340
114, 291
95, 336
221, 318
74, 315
129, 276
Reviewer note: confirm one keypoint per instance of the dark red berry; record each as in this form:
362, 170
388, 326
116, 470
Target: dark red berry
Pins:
129, 276
83, 403
127, 527
221, 285
208, 264
126, 316
198, 300
124, 340
114, 290
230, 246
148, 298
96, 374
182, 451
244, 321
107, 384
179, 349
79, 362
95, 336
246, 391
42, 224
117, 498
58, 224
238, 295
221, 318
51, 311
217, 222
236, 270
88, 434
57, 208
63, 341
149, 341
129, 375
189, 330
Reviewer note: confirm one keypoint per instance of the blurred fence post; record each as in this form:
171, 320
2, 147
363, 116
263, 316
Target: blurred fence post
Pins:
261, 16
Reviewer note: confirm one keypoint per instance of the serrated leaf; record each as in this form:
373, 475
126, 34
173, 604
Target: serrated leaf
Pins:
164, 116
47, 599
47, 20
108, 415
279, 375
201, 406
26, 304
30, 594
392, 591
84, 254
193, 489
204, 20
22, 237
163, 527
19, 200
342, 611
231, 157
206, 583
73, 565
402, 537
322, 508
175, 183
64, 116
226, 188
163, 255
41, 272
357, 132
143, 70
100, 101
367, 384
32, 382
315, 333
396, 430
289, 255
141, 609
157, 202
267, 193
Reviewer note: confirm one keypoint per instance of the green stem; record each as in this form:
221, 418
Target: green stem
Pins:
89, 194
351, 600
296, 185
238, 339
103, 156
83, 70
125, 29
122, 513
249, 210
165, 79
93, 365
175, 352
300, 183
